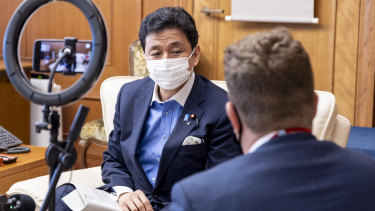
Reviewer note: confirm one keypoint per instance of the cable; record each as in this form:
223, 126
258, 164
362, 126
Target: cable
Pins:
53, 68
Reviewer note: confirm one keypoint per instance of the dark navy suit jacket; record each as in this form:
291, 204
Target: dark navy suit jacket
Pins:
293, 172
206, 101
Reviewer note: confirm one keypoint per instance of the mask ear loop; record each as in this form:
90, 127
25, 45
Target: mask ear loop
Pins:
144, 56
191, 53
192, 69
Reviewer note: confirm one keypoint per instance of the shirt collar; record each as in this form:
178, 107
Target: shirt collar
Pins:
264, 139
181, 96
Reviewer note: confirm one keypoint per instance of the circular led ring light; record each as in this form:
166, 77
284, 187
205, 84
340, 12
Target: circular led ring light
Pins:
16, 74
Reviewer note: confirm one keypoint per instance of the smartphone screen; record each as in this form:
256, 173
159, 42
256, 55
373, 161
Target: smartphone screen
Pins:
46, 52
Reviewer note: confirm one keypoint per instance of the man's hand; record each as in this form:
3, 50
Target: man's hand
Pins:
134, 201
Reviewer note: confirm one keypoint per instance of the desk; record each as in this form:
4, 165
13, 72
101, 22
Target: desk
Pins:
27, 166
14, 109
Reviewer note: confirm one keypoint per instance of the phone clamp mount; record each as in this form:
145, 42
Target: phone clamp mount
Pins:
70, 59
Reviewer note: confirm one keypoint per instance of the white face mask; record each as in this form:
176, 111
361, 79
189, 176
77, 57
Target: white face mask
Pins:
169, 73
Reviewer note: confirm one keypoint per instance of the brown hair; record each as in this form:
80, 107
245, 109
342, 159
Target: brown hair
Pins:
270, 81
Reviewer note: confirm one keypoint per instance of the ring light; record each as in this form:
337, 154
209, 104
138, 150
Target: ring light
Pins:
86, 81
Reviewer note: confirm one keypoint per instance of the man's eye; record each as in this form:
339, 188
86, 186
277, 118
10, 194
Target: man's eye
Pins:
155, 54
176, 52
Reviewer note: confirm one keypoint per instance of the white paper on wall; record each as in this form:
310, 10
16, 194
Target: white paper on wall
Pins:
292, 11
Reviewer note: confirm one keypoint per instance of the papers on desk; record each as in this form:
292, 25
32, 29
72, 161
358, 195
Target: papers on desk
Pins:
90, 199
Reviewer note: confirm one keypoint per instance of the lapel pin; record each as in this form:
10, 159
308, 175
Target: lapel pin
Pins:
186, 117
194, 117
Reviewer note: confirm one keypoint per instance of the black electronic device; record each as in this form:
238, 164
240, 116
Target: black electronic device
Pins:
47, 51
7, 139
8, 159
9, 143
17, 202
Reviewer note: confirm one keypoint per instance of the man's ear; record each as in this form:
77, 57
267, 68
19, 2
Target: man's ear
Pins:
233, 118
316, 100
196, 54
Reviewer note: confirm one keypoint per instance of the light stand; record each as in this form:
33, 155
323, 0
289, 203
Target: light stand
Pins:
58, 156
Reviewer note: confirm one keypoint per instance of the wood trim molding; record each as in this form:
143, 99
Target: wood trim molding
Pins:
106, 8
92, 95
364, 110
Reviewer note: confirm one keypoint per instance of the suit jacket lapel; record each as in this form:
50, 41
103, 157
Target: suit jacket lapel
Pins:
182, 128
141, 107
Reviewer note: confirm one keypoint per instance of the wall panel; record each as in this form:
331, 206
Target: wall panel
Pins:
207, 30
318, 39
150, 6
364, 107
346, 49
7, 8
14, 110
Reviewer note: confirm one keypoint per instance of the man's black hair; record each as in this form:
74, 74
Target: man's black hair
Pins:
169, 18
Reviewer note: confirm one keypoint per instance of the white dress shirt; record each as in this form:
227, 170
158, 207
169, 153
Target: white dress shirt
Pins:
262, 140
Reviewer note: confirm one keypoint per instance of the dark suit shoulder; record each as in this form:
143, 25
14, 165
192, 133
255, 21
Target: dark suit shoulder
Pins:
218, 183
217, 176
356, 159
211, 87
298, 169
215, 97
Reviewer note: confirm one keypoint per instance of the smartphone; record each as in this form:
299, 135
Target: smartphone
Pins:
47, 51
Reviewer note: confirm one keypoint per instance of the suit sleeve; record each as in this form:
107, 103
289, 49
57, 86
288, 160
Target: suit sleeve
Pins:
114, 169
223, 145
179, 199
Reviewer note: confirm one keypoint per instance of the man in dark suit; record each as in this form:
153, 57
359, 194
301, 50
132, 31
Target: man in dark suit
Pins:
271, 108
169, 125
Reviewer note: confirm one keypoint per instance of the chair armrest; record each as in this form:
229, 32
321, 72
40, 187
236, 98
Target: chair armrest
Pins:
92, 144
90, 152
340, 134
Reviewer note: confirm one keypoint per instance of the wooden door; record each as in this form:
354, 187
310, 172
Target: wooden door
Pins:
216, 34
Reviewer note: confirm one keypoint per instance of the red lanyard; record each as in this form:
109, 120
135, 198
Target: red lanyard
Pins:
284, 132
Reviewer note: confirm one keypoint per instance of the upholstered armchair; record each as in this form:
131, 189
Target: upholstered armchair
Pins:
93, 137
137, 62
327, 124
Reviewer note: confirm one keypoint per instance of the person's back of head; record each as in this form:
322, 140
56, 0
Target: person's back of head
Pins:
270, 81
270, 84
